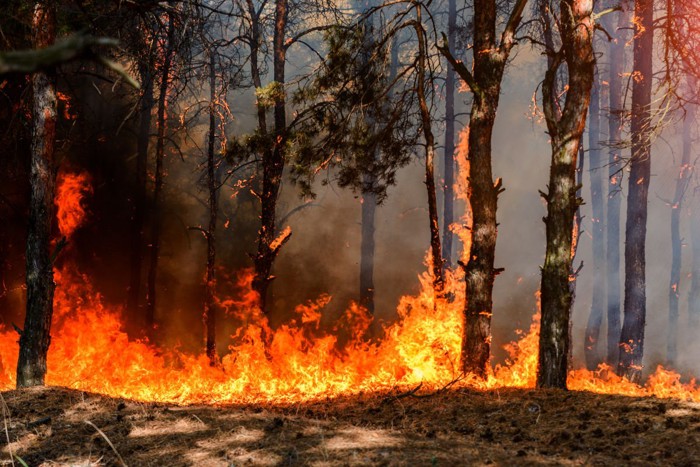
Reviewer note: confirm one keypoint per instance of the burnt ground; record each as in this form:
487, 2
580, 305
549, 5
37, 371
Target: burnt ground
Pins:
55, 426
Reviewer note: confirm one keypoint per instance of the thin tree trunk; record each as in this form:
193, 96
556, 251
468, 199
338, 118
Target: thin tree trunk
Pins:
136, 254
369, 207
369, 181
449, 155
614, 202
694, 292
158, 177
632, 336
426, 123
273, 166
254, 66
684, 174
35, 338
565, 131
595, 319
212, 185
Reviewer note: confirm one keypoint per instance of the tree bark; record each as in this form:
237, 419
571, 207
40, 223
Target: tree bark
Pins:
565, 131
694, 292
596, 165
489, 62
273, 166
35, 338
158, 176
213, 187
426, 124
615, 123
133, 305
449, 154
682, 182
369, 181
632, 335
369, 207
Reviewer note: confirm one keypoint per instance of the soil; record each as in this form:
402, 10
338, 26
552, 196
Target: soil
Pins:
56, 426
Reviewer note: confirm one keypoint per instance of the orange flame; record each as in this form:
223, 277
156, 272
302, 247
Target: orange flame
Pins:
70, 192
297, 361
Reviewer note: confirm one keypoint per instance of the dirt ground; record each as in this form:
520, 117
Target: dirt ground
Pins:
55, 426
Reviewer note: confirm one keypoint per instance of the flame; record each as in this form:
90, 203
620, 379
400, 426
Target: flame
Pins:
296, 361
461, 189
71, 190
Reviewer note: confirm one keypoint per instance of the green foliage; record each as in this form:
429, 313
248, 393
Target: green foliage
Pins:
242, 148
354, 121
270, 95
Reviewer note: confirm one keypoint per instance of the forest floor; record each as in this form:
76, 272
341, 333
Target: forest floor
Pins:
56, 426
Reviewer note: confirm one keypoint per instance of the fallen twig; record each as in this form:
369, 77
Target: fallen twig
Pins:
108, 442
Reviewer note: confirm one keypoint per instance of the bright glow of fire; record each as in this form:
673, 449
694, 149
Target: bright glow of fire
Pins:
70, 192
90, 352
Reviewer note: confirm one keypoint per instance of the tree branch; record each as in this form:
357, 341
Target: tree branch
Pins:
508, 36
458, 66
66, 50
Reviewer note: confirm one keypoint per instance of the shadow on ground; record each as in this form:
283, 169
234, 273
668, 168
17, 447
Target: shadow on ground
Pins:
56, 426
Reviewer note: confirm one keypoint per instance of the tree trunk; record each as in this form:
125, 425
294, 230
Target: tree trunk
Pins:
35, 338
488, 64
632, 336
565, 131
369, 207
213, 186
158, 177
480, 271
682, 182
615, 123
595, 319
449, 155
426, 124
133, 305
273, 166
694, 293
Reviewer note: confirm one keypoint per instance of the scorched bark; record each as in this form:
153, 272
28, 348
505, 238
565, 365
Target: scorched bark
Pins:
35, 338
565, 131
490, 58
632, 335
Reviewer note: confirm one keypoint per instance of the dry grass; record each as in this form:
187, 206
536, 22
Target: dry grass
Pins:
55, 426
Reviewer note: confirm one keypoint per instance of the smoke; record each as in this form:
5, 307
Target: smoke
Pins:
323, 253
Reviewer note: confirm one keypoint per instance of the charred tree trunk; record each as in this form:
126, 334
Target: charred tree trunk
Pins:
136, 260
684, 174
489, 62
255, 38
36, 336
369, 181
213, 187
565, 131
596, 165
426, 124
449, 155
632, 336
158, 177
614, 201
480, 271
694, 293
369, 207
273, 166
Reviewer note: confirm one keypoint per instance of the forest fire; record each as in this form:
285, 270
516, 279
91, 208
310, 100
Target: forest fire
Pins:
90, 351
274, 233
